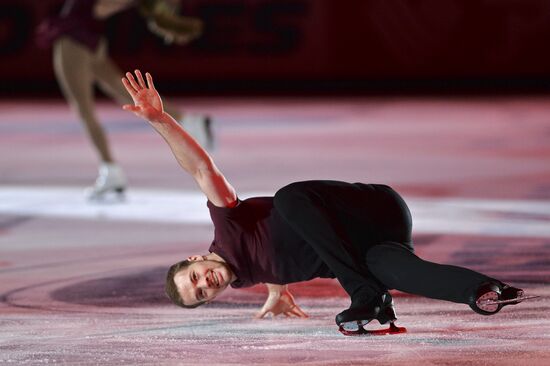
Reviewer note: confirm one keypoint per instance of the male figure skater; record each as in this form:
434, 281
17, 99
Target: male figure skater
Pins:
357, 233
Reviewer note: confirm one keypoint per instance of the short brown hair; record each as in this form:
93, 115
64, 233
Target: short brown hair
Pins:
172, 290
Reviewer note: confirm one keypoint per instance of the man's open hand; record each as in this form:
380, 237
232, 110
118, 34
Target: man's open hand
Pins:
147, 102
280, 301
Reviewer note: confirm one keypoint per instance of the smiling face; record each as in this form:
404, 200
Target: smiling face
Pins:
202, 280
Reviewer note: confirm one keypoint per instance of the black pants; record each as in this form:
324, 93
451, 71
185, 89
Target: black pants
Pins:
362, 232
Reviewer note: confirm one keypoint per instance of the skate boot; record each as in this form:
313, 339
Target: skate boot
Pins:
110, 183
200, 127
494, 295
351, 322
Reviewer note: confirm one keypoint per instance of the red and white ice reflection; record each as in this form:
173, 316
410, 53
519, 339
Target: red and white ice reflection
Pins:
82, 284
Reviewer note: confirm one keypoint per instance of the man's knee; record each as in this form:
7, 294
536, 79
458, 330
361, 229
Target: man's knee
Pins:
383, 254
375, 256
386, 262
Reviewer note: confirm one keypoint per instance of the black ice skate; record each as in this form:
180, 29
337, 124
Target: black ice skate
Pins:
493, 296
351, 322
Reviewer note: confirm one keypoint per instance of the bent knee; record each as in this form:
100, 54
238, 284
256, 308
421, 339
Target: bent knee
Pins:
380, 254
375, 256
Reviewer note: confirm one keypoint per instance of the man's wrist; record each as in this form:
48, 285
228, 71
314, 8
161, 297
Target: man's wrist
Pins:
161, 118
275, 289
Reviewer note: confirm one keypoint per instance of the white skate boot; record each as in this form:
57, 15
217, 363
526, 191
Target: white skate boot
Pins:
199, 126
110, 183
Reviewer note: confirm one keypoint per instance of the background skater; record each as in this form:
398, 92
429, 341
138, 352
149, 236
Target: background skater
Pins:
81, 59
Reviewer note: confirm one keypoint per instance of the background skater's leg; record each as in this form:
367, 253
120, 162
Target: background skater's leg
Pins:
73, 69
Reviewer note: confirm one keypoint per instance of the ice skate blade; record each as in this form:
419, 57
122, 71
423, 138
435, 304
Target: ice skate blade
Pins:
509, 301
393, 329
112, 196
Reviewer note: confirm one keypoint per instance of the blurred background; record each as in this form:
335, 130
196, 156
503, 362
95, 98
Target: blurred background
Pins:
445, 100
309, 46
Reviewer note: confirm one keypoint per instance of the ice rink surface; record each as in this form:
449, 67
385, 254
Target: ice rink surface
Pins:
82, 283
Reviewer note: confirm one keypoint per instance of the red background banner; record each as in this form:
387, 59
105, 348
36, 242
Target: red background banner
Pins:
295, 42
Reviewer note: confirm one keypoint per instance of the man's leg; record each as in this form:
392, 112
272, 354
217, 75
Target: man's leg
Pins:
398, 268
305, 210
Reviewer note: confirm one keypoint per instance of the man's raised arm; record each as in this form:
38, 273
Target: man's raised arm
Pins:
189, 154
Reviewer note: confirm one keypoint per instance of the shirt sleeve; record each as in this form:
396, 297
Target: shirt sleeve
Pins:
221, 214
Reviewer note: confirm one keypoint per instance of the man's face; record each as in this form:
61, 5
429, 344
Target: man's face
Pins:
202, 280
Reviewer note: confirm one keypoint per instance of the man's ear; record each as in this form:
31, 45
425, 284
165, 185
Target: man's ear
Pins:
195, 258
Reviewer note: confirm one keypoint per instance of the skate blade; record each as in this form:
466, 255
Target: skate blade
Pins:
112, 196
509, 301
361, 331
